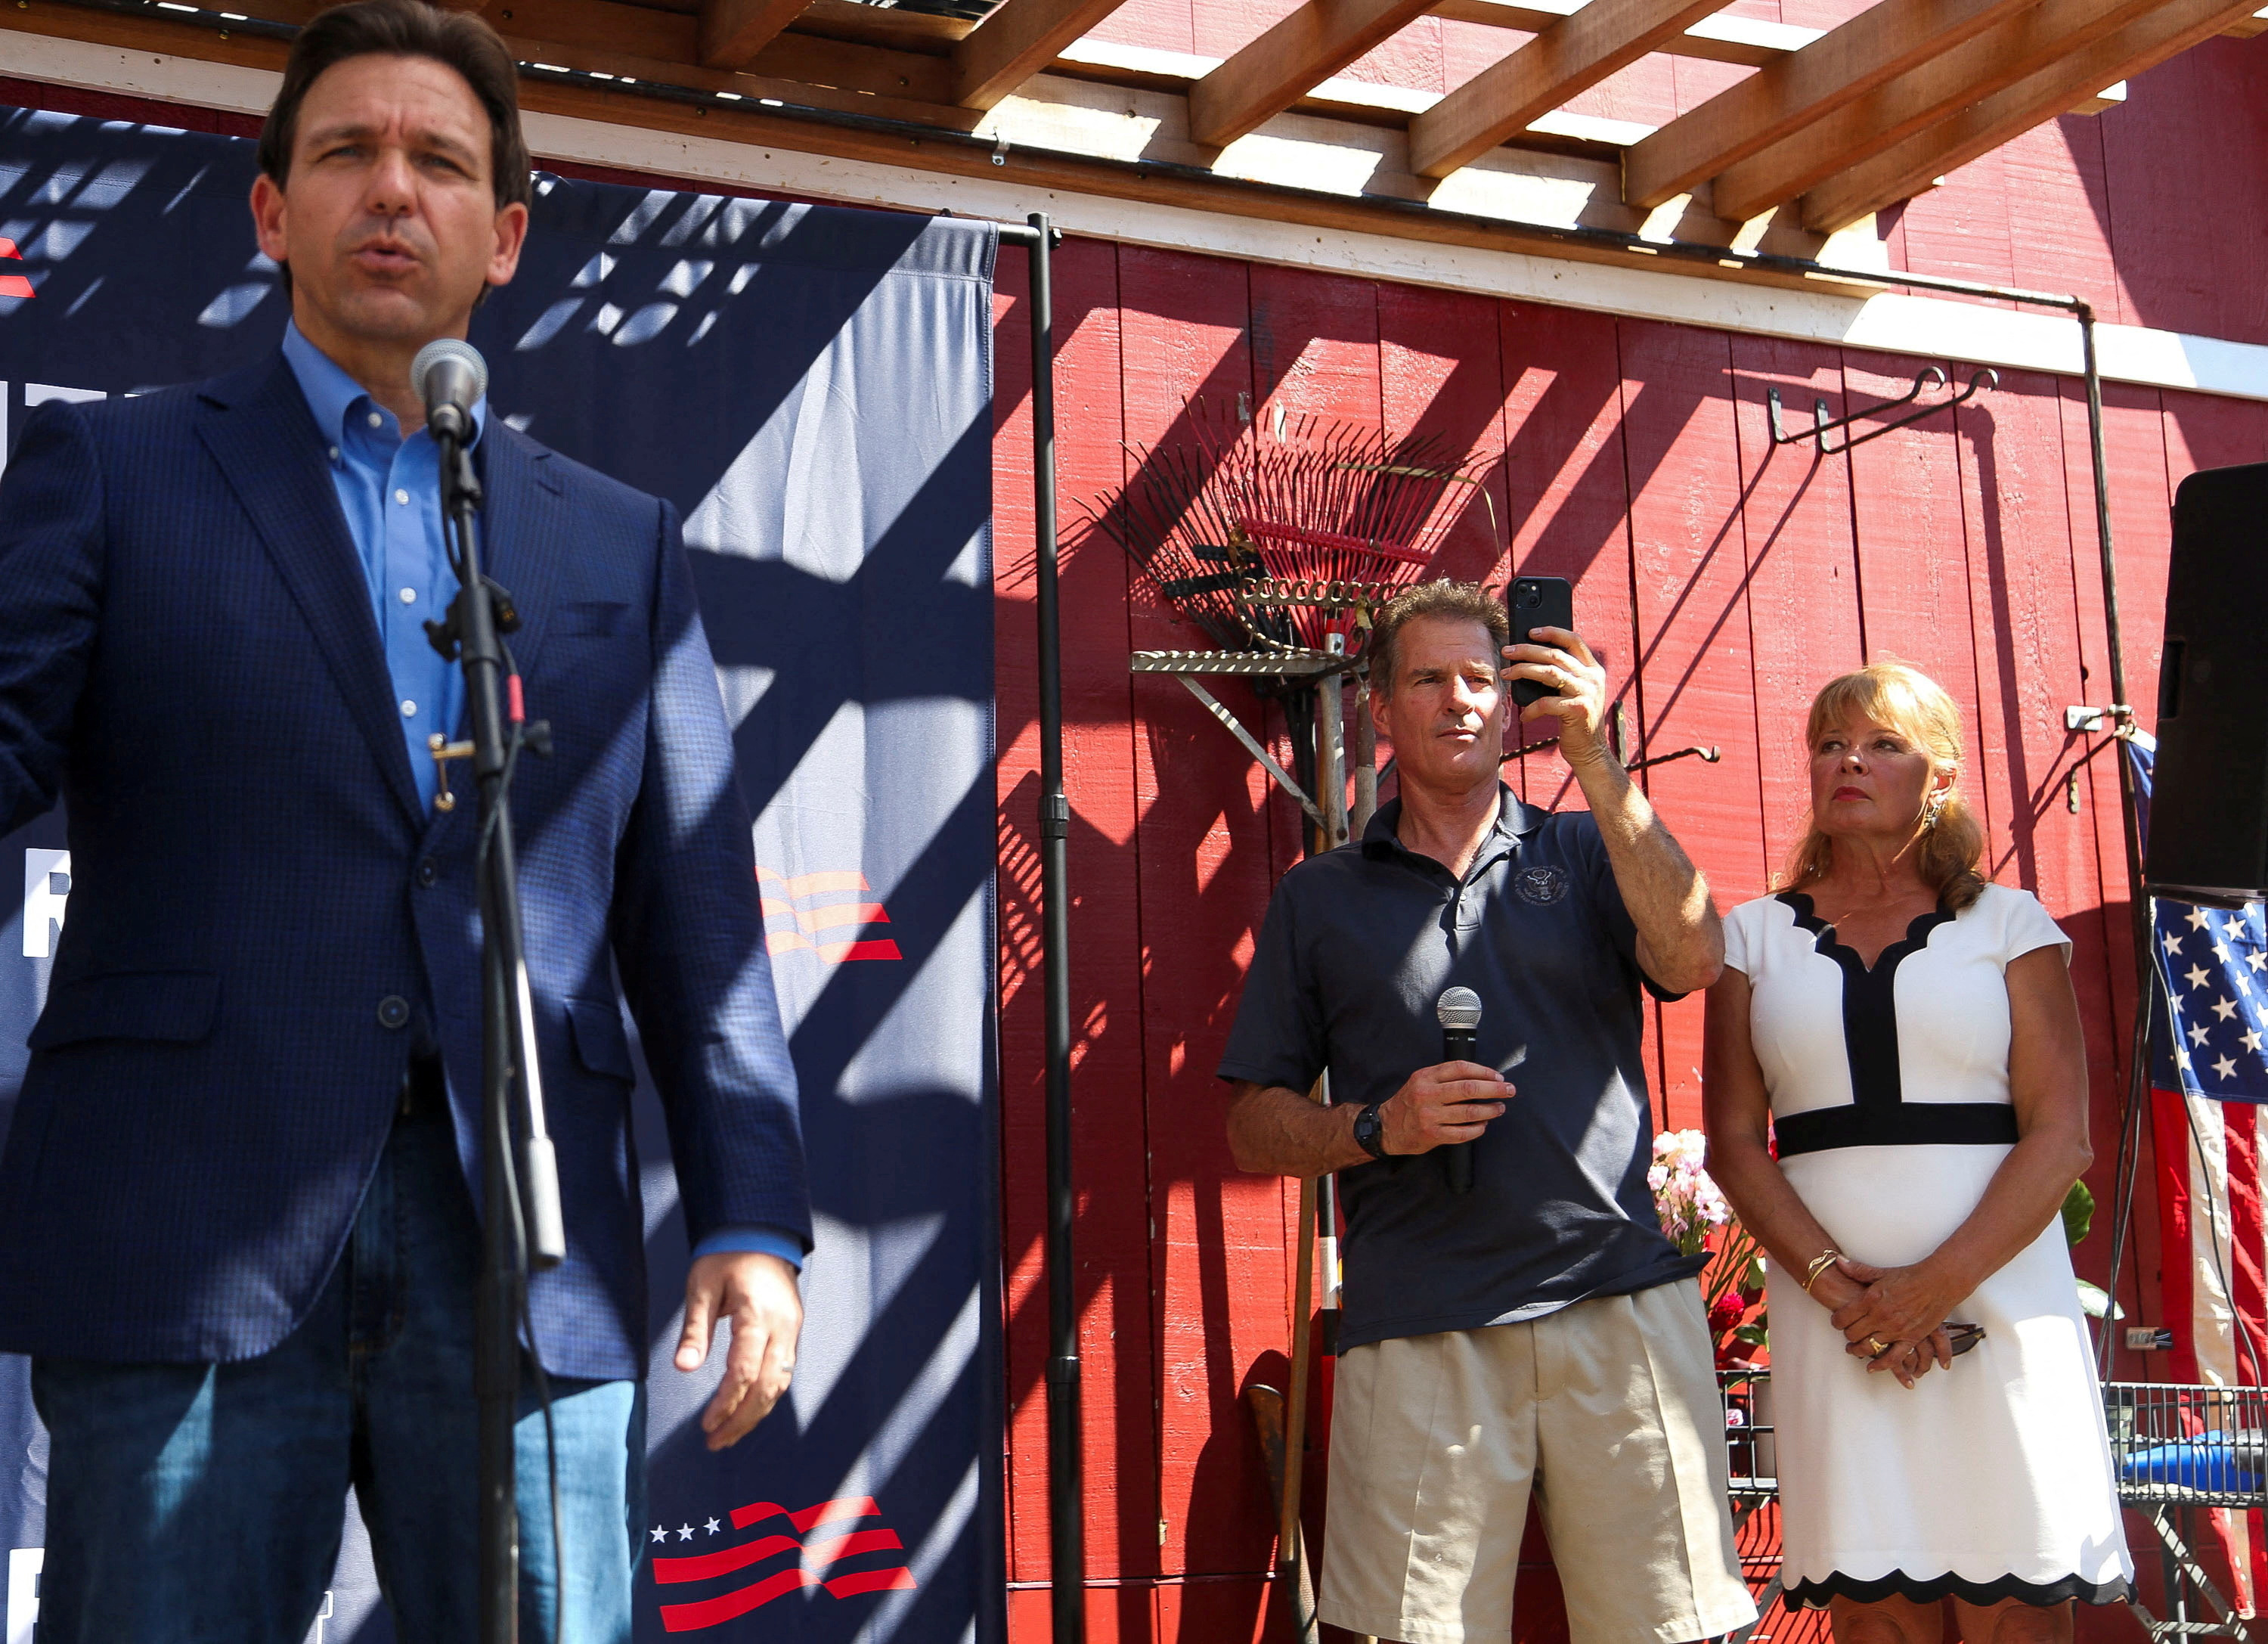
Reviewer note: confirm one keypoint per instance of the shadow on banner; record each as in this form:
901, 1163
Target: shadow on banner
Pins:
812, 388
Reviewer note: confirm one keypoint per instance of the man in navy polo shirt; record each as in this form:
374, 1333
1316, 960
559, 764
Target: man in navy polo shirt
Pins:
1538, 1332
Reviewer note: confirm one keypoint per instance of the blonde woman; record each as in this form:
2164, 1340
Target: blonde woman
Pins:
1909, 1031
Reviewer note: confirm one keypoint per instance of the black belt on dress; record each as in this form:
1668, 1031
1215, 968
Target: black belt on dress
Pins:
1895, 1125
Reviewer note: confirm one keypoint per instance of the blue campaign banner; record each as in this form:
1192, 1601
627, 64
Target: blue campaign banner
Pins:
812, 388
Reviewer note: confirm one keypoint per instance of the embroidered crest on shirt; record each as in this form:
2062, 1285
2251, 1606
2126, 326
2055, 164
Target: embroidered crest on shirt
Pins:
1541, 885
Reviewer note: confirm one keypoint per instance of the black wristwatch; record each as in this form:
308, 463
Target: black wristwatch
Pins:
1370, 1131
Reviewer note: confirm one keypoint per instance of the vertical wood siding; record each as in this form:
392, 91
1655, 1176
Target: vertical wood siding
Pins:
1736, 575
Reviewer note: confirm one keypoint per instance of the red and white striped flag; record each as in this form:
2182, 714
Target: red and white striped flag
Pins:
2210, 1077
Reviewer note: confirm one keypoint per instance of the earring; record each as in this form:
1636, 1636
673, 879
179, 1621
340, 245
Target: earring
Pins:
1929, 812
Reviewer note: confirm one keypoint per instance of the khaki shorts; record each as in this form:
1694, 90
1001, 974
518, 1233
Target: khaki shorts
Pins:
1608, 1410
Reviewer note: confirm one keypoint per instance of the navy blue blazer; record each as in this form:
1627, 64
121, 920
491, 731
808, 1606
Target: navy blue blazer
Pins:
188, 657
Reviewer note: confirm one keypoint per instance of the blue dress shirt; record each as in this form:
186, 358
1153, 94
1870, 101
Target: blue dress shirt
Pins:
389, 489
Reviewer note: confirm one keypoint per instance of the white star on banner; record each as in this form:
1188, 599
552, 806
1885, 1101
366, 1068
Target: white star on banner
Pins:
2172, 943
2196, 919
2197, 1033
2224, 1068
712, 1527
685, 1532
2220, 951
2251, 1040
2225, 1008
661, 1533
2197, 976
2258, 962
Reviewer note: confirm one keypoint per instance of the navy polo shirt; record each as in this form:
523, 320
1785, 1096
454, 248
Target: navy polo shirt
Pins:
1358, 946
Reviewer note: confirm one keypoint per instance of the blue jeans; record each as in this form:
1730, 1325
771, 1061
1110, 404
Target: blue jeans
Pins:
204, 1504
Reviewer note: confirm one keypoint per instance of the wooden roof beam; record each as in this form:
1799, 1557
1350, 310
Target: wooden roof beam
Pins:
1017, 40
1267, 75
1908, 167
1567, 59
733, 32
1846, 64
2007, 52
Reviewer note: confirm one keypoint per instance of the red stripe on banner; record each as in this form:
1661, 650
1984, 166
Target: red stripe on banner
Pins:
2169, 1125
828, 1512
2248, 1292
709, 1612
701, 1566
818, 1555
812, 884
851, 953
824, 1513
900, 1579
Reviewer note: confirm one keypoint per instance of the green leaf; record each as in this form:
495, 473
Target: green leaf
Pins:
2093, 1303
2077, 1213
1755, 1335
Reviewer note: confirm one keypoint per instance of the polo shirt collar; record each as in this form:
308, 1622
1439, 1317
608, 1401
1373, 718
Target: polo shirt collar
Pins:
1514, 820
333, 395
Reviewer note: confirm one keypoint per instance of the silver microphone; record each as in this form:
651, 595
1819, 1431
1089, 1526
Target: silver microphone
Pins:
1458, 1010
450, 376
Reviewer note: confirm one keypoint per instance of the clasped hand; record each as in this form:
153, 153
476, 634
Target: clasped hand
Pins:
1904, 1307
1452, 1102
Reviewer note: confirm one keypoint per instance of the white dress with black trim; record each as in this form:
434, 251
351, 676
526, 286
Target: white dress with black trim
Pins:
1889, 1095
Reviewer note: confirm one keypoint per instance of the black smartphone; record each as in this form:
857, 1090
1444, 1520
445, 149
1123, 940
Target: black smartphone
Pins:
1533, 602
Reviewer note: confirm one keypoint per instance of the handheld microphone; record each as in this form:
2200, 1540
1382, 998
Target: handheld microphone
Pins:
1459, 1011
450, 376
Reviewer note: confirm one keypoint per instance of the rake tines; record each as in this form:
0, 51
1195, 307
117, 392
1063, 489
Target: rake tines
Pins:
1317, 504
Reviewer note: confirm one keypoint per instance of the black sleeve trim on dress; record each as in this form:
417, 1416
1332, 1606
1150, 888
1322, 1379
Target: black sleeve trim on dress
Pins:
1929, 1589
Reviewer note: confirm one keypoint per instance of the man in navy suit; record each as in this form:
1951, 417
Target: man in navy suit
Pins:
238, 1217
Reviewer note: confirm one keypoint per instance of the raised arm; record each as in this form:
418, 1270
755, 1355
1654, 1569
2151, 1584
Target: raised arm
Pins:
1681, 943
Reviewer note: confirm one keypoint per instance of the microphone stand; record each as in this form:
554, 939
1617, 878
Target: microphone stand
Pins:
521, 1212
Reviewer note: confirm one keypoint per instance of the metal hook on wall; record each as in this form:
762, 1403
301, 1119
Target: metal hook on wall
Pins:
1822, 427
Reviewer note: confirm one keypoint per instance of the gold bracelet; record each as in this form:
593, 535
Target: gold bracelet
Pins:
1820, 1264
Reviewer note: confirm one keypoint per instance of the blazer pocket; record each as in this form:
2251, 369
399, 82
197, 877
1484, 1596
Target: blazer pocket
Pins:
592, 619
170, 1006
600, 1045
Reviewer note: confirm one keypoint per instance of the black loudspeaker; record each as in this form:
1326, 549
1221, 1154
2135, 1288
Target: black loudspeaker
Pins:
2209, 803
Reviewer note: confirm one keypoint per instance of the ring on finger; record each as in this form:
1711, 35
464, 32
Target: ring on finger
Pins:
1878, 1346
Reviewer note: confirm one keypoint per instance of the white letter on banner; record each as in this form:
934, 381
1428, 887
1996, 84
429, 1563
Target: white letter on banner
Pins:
23, 1565
47, 888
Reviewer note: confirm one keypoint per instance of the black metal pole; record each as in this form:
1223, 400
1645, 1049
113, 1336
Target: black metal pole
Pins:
516, 1231
1066, 1506
2138, 1064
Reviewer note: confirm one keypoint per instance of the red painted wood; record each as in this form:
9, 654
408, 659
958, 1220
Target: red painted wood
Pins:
1690, 564
2186, 198
1161, 25
1441, 374
1111, 1239
1566, 496
1803, 574
1218, 1263
2135, 436
2059, 231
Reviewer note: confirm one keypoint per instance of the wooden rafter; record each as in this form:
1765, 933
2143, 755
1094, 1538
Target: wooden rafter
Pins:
1299, 52
733, 32
2009, 51
1846, 63
1910, 166
1569, 58
1016, 41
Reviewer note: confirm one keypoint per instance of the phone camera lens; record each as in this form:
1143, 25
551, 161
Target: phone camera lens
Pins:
1531, 597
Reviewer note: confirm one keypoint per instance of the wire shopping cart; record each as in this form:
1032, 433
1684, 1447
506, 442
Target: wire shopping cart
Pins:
2176, 1449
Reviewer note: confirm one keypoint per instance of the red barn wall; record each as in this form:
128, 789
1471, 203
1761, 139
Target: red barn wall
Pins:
1723, 577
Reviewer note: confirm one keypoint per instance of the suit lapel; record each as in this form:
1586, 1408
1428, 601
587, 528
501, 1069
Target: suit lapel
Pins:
521, 525
260, 432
